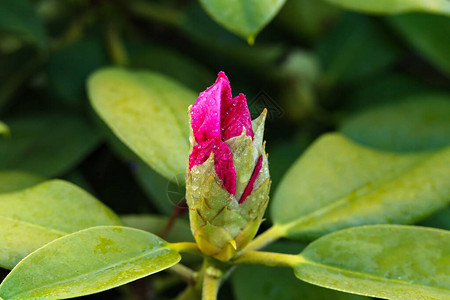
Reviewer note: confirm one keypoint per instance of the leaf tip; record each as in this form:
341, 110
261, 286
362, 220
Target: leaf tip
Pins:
251, 40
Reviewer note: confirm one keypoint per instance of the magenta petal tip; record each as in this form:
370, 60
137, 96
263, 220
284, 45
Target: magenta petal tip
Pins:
215, 118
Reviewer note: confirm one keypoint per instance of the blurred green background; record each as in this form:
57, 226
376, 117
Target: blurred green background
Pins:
380, 75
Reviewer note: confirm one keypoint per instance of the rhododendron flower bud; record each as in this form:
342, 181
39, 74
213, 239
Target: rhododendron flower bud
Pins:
228, 180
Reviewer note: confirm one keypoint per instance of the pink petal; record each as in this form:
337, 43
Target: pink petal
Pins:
223, 161
249, 188
234, 116
205, 113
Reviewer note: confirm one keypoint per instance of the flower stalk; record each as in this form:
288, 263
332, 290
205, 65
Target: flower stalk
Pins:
269, 236
211, 283
268, 258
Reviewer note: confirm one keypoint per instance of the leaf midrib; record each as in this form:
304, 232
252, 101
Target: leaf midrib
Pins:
376, 185
38, 226
361, 275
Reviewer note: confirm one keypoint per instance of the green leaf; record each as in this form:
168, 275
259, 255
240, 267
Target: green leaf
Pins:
79, 60
155, 224
33, 217
420, 122
395, 6
175, 65
4, 129
337, 184
157, 188
389, 88
11, 181
19, 16
428, 34
253, 282
199, 27
384, 261
46, 144
148, 112
440, 220
180, 232
282, 154
364, 50
212, 38
17, 65
243, 17
307, 18
87, 262
153, 184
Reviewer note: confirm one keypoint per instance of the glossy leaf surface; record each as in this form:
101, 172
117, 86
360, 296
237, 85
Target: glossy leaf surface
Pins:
395, 6
148, 112
384, 261
86, 262
337, 183
32, 217
243, 17
181, 232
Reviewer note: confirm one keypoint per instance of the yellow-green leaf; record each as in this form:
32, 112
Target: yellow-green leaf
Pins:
395, 6
243, 17
148, 112
338, 184
383, 261
33, 217
11, 181
87, 262
180, 232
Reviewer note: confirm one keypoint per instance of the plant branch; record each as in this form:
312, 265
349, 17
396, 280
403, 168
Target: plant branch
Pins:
211, 281
187, 247
184, 272
269, 236
176, 213
268, 258
190, 293
116, 46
